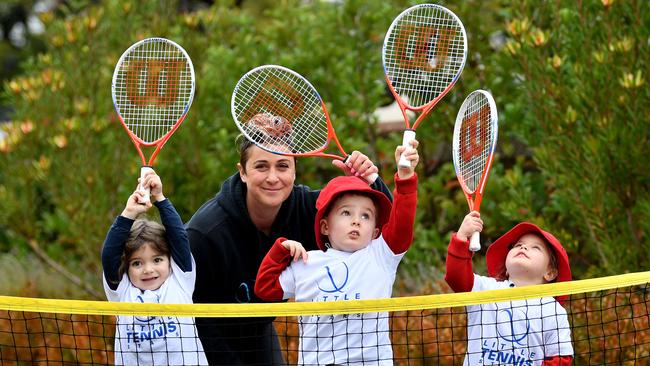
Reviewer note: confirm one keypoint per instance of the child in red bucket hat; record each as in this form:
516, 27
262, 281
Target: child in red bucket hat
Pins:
520, 332
362, 239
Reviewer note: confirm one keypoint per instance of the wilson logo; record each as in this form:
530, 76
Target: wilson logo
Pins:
474, 134
423, 47
278, 98
153, 82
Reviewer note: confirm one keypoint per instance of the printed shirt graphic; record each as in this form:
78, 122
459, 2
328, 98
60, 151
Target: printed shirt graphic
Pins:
352, 339
520, 332
155, 340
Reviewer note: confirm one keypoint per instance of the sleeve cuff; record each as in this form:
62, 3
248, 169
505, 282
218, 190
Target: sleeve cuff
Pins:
406, 186
164, 203
124, 222
279, 253
459, 248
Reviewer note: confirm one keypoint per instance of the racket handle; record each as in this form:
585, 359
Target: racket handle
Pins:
145, 191
409, 135
475, 242
372, 178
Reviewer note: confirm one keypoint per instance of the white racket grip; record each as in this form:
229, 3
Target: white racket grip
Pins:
145, 191
372, 178
409, 135
475, 242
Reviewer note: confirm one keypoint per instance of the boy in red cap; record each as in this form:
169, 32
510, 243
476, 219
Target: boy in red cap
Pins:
362, 240
522, 332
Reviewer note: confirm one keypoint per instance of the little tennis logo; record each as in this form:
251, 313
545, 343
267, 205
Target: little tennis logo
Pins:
151, 298
338, 277
513, 326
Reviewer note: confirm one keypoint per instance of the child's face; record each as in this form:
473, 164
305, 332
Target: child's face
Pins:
148, 269
529, 261
350, 224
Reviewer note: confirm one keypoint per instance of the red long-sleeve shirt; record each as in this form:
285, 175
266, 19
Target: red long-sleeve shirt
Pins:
398, 234
460, 277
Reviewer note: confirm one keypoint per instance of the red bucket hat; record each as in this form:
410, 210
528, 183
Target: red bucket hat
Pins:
348, 184
497, 252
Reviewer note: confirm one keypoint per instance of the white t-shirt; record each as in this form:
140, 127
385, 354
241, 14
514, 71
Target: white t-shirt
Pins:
520, 332
334, 275
168, 340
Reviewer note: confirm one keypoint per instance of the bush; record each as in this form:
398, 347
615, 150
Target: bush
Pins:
581, 103
562, 81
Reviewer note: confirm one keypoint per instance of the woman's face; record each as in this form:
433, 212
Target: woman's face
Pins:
268, 177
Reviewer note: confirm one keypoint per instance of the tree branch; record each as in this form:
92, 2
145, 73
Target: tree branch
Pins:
62, 270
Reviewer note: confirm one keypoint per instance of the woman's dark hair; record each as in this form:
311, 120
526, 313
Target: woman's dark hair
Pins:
242, 148
143, 232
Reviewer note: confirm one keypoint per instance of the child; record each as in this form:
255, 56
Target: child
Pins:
146, 262
521, 332
362, 240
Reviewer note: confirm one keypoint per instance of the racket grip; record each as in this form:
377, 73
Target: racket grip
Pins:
409, 135
145, 191
475, 242
372, 178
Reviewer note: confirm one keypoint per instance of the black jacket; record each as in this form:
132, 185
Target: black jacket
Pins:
228, 249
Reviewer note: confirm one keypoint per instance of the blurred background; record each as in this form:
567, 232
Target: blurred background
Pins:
569, 78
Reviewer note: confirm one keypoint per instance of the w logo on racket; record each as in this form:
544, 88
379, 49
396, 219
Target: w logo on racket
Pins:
277, 97
281, 112
153, 82
152, 90
423, 55
475, 137
475, 133
423, 47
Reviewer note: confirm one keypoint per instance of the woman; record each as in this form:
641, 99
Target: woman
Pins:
232, 232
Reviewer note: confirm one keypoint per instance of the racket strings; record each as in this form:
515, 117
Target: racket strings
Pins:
154, 88
476, 141
293, 116
424, 53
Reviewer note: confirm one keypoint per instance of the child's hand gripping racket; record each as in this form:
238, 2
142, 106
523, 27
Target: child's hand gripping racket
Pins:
474, 141
152, 89
424, 53
281, 112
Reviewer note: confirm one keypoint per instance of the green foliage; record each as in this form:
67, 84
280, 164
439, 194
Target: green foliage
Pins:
67, 167
582, 101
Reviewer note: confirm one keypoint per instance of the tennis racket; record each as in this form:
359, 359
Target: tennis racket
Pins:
474, 141
152, 89
281, 112
424, 53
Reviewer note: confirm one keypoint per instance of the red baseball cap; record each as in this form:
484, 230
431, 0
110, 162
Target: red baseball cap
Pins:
497, 252
348, 184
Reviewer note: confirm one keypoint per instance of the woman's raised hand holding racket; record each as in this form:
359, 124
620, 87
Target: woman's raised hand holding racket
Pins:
281, 112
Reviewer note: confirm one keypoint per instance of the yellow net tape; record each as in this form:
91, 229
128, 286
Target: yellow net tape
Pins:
317, 308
